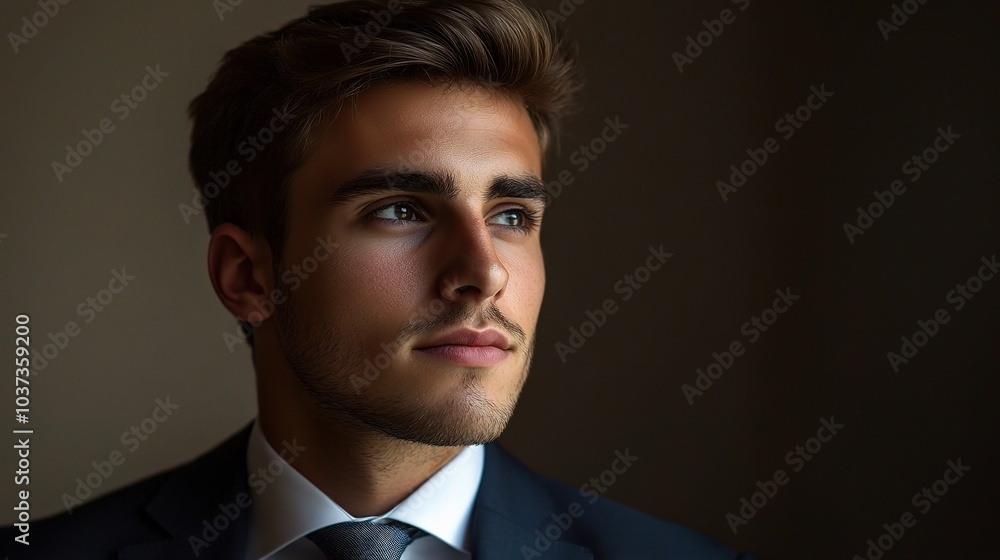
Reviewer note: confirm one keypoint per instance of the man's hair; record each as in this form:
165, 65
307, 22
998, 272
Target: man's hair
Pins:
297, 77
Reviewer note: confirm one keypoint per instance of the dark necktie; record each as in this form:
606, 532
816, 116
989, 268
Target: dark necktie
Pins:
364, 540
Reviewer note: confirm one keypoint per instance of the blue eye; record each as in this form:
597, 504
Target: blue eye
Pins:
519, 217
517, 220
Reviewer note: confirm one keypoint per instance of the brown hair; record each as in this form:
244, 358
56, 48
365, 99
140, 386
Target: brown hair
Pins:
309, 67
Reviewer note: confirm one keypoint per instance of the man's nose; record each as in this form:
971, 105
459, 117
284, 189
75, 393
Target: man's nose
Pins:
472, 270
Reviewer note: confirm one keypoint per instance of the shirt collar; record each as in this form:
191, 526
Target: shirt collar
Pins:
286, 506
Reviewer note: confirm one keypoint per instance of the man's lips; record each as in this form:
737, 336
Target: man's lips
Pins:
467, 355
468, 337
468, 347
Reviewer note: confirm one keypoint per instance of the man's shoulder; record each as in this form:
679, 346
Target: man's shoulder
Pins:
613, 530
118, 512
517, 510
599, 514
83, 532
585, 517
123, 518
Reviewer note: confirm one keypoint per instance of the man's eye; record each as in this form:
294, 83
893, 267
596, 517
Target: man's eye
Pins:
521, 220
396, 212
513, 218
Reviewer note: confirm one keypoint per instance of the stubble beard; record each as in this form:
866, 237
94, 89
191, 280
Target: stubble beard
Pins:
329, 364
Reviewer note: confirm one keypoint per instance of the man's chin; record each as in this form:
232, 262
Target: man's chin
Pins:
440, 439
464, 421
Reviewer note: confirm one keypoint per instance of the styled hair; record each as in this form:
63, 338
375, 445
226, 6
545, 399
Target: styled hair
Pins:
252, 126
270, 93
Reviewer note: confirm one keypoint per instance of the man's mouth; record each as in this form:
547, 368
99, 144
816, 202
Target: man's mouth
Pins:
468, 347
466, 355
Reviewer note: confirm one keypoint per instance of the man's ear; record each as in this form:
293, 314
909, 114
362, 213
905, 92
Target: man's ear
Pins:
240, 269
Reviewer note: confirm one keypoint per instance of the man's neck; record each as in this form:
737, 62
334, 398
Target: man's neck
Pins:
361, 469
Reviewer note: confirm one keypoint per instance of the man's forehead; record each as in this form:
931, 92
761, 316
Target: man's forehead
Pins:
400, 136
427, 115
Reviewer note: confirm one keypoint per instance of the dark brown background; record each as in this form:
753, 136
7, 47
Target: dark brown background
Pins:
654, 185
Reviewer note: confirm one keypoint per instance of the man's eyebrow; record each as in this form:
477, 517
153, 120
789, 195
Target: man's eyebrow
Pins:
518, 186
382, 181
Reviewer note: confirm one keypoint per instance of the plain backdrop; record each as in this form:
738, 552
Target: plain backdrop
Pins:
656, 184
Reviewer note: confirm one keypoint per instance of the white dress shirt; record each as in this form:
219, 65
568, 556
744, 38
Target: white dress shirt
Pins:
289, 507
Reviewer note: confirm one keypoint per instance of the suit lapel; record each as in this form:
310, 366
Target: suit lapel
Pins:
512, 504
511, 510
193, 503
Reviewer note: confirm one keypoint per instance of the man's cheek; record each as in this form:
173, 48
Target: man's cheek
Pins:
525, 267
375, 295
525, 289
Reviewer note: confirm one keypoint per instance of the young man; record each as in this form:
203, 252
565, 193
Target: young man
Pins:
380, 243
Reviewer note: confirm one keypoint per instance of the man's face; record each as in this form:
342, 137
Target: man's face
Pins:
451, 245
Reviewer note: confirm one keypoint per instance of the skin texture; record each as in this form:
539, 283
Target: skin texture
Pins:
388, 287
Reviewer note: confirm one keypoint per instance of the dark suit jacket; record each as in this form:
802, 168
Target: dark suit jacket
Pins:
168, 517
